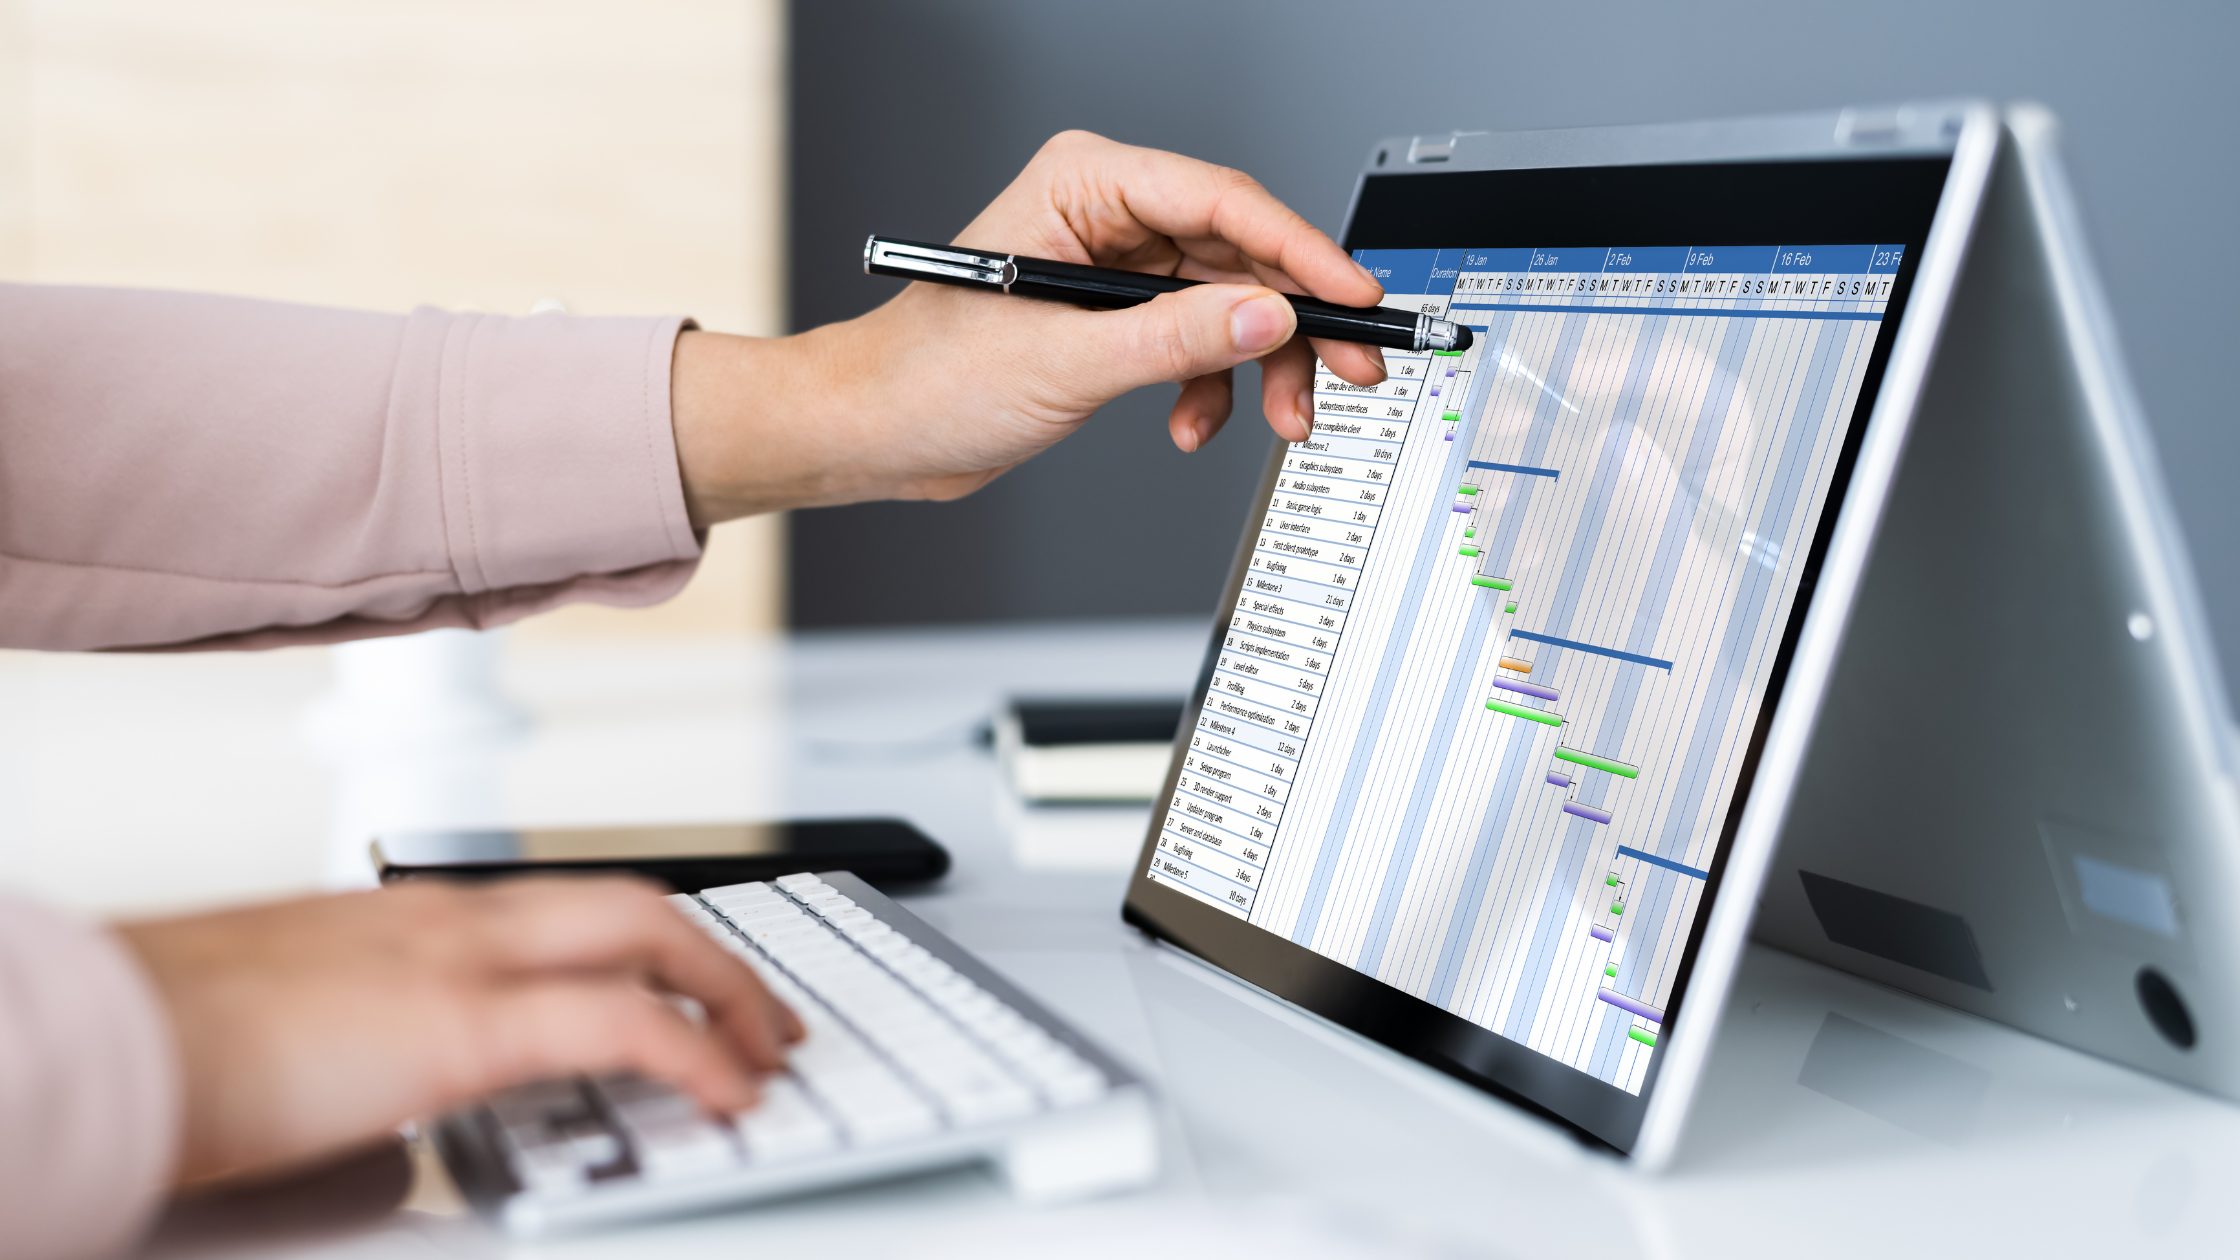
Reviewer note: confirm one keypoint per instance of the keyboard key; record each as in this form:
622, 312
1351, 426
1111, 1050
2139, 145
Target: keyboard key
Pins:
784, 935
768, 912
799, 879
986, 1102
785, 1124
548, 1170
589, 1141
875, 1111
734, 903
672, 1149
668, 1133
829, 1049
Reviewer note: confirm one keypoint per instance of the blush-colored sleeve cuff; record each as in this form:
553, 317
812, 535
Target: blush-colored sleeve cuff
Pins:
554, 446
89, 1089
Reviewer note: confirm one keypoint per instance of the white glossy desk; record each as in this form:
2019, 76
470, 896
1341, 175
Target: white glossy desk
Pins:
142, 782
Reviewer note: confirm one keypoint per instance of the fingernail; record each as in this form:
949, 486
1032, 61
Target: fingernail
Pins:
1305, 413
1366, 274
1260, 325
1376, 353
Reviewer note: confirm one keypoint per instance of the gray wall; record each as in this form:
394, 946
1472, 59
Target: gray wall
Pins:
908, 116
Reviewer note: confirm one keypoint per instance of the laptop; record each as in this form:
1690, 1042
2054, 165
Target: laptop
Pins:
1543, 665
1786, 553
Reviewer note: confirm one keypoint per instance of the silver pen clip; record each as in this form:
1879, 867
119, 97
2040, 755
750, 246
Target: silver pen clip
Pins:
909, 258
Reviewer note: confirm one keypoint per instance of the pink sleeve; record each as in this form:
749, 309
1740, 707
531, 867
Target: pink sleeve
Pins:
181, 470
89, 1097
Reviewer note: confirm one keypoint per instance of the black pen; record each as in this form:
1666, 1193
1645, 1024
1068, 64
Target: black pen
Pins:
1104, 287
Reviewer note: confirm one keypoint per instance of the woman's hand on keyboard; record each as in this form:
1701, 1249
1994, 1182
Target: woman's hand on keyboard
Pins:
308, 1026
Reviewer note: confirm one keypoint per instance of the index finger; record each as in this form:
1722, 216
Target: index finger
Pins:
618, 924
1102, 189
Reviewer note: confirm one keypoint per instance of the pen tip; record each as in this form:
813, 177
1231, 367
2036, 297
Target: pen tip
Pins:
1462, 337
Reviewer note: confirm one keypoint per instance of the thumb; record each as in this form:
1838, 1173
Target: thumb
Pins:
1177, 336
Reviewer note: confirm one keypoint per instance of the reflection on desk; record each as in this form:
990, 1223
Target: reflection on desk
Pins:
1838, 1119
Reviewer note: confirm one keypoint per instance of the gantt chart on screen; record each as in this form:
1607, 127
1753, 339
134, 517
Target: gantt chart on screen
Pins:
1481, 708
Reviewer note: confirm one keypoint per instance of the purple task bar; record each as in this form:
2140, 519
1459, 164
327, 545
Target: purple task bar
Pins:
1450, 371
1434, 391
1624, 1003
1529, 689
1459, 508
1450, 438
1558, 780
1588, 812
1602, 934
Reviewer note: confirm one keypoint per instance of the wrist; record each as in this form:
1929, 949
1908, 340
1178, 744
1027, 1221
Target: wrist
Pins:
763, 424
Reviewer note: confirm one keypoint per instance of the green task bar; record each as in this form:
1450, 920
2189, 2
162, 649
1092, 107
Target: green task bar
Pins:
1465, 489
1642, 1035
1499, 584
1470, 532
1518, 710
1448, 354
1611, 970
1576, 757
1617, 907
1611, 880
1469, 550
1451, 417
1511, 608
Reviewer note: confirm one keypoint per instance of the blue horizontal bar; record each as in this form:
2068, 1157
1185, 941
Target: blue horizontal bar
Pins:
1516, 468
1612, 653
1667, 863
1584, 309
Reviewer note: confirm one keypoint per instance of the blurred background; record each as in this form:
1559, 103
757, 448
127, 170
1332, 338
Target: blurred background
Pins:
726, 158
906, 117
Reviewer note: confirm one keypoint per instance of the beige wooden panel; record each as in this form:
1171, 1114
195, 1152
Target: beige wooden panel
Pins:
623, 158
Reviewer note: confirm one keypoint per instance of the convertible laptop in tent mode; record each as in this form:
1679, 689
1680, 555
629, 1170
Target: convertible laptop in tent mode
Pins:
1787, 552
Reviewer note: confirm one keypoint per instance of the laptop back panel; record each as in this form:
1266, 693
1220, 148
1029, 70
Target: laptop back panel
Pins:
2018, 801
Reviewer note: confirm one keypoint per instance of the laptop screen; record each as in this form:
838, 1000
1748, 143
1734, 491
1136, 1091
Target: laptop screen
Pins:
1508, 627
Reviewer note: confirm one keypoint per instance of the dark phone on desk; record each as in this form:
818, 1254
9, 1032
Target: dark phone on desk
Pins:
882, 851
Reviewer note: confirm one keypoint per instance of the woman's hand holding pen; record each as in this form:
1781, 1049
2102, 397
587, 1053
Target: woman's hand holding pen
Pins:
941, 390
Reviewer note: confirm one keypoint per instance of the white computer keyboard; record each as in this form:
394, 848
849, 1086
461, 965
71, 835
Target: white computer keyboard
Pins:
917, 1056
